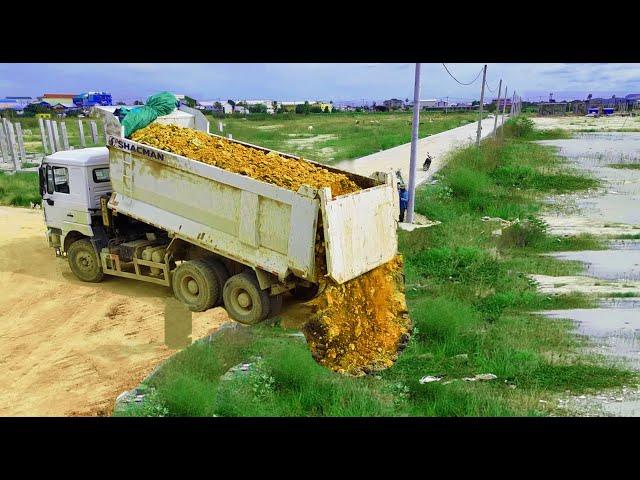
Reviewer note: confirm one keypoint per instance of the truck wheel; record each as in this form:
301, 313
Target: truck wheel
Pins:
221, 274
305, 294
196, 285
243, 299
84, 261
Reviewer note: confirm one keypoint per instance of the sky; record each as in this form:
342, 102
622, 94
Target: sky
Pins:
317, 81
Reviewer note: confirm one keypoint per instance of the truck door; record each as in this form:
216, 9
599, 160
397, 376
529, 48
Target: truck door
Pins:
61, 198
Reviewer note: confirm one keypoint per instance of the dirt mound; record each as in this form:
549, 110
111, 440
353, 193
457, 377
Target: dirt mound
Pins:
234, 157
360, 326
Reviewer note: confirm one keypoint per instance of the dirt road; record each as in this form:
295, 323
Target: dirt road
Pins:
438, 145
68, 347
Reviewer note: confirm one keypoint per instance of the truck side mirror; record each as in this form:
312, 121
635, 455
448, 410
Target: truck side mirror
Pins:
42, 177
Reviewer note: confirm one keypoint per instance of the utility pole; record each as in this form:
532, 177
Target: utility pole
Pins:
414, 145
484, 78
504, 105
495, 121
446, 105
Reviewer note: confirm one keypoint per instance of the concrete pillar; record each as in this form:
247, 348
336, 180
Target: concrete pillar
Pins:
83, 142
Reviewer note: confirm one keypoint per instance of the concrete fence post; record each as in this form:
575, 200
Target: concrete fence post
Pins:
22, 151
83, 142
65, 137
94, 131
12, 145
220, 127
52, 141
56, 135
4, 146
43, 136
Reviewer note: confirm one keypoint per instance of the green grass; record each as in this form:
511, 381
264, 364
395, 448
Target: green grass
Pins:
336, 136
630, 166
19, 189
469, 297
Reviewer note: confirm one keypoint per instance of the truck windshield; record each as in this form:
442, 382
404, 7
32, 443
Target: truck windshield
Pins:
101, 175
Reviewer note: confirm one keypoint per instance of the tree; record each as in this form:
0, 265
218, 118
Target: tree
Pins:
303, 108
191, 102
258, 108
326, 109
37, 108
231, 102
138, 102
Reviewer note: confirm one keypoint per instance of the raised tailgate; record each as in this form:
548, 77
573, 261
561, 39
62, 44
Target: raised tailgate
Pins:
359, 230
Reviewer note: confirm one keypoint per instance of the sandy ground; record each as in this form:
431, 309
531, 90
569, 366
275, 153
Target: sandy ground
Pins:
68, 347
438, 145
603, 124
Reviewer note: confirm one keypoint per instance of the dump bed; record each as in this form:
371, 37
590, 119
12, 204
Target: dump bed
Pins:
254, 222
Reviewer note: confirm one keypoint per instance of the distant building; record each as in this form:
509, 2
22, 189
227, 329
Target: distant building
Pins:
9, 103
240, 110
324, 106
393, 104
224, 107
502, 102
428, 103
91, 99
63, 99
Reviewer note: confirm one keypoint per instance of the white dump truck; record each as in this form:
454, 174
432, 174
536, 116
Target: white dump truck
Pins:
216, 237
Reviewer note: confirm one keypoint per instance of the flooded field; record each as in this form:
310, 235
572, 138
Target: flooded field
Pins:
618, 201
613, 328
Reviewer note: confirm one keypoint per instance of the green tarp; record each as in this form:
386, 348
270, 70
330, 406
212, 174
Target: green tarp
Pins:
157, 105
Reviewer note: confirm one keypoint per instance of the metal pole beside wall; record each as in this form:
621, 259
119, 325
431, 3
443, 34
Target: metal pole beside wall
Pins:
414, 145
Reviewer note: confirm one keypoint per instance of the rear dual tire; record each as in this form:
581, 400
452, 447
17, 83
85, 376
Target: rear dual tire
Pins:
198, 284
205, 283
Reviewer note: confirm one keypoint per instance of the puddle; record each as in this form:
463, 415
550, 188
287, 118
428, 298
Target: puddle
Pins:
594, 152
622, 262
613, 328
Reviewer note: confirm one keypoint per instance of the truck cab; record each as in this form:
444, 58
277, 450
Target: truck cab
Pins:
71, 184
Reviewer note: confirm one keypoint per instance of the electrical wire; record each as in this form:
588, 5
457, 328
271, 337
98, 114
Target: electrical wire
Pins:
461, 83
487, 85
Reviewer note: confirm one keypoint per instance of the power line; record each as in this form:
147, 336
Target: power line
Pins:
461, 83
490, 89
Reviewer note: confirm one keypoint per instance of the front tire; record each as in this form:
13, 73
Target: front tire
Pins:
84, 261
244, 301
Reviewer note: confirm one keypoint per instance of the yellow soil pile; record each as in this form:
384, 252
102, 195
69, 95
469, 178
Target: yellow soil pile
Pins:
361, 325
252, 162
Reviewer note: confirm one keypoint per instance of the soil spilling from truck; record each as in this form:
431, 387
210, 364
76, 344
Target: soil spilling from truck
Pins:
356, 327
270, 167
360, 326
